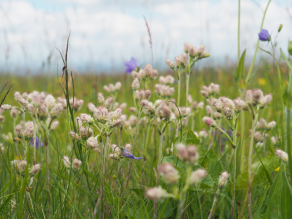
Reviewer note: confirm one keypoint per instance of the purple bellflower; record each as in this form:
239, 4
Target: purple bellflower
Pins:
131, 65
264, 35
37, 143
127, 154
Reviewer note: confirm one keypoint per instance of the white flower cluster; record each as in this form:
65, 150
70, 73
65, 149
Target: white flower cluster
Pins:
19, 167
75, 164
40, 104
25, 130
211, 90
111, 88
148, 73
164, 91
168, 79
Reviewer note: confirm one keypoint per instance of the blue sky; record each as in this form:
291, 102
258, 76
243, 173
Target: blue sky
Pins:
106, 33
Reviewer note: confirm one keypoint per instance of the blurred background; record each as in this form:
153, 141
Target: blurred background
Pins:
106, 33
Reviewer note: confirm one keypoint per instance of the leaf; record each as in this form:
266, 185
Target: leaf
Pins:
285, 58
207, 183
241, 182
139, 192
286, 200
240, 68
174, 160
191, 138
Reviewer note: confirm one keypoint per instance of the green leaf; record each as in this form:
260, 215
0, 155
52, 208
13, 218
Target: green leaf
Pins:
139, 192
286, 200
207, 183
191, 138
240, 68
285, 58
174, 160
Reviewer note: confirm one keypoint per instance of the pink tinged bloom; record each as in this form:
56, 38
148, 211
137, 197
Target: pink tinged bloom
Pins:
223, 179
156, 193
197, 176
209, 121
282, 155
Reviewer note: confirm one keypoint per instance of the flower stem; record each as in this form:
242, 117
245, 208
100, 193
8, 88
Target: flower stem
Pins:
178, 91
234, 171
214, 203
187, 86
160, 148
104, 154
254, 120
183, 194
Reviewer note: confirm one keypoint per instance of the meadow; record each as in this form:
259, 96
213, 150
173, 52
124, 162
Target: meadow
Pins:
185, 142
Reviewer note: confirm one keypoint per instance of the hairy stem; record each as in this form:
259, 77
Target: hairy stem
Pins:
214, 203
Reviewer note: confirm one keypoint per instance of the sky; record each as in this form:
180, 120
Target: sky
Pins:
106, 33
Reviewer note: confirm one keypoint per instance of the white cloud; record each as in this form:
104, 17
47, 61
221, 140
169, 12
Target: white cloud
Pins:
102, 31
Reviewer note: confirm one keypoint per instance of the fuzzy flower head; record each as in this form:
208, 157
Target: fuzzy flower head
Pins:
209, 121
131, 65
264, 35
168, 173
282, 155
197, 176
223, 179
156, 193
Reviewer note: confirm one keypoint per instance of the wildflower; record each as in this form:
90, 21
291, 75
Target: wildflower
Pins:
240, 105
282, 155
131, 65
50, 101
54, 125
92, 142
108, 102
56, 110
197, 176
6, 107
262, 124
127, 154
223, 179
264, 101
169, 63
2, 147
76, 164
189, 153
35, 169
67, 162
1, 118
156, 193
37, 142
13, 112
217, 115
28, 131
85, 132
258, 137
264, 35
86, 118
209, 121
203, 134
74, 135
168, 173
22, 166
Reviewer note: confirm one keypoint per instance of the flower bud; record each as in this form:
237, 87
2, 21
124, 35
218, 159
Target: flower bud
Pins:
248, 97
128, 147
203, 134
169, 63
280, 28
264, 101
197, 176
35, 169
156, 193
6, 107
54, 125
223, 179
209, 121
135, 84
13, 112
168, 173
240, 105
92, 142
290, 48
282, 155
257, 95
271, 125
100, 98
217, 115
76, 164
74, 136
258, 137
109, 101
208, 110
262, 124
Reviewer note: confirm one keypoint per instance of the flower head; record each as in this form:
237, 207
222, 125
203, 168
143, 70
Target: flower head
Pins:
131, 65
127, 154
264, 35
37, 142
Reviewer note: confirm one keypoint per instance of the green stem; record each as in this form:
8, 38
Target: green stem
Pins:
160, 148
234, 172
187, 86
214, 203
183, 194
288, 125
249, 164
238, 33
178, 91
257, 46
104, 155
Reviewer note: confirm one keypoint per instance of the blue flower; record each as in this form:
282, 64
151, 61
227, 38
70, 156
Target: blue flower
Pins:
264, 35
131, 65
127, 154
37, 143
